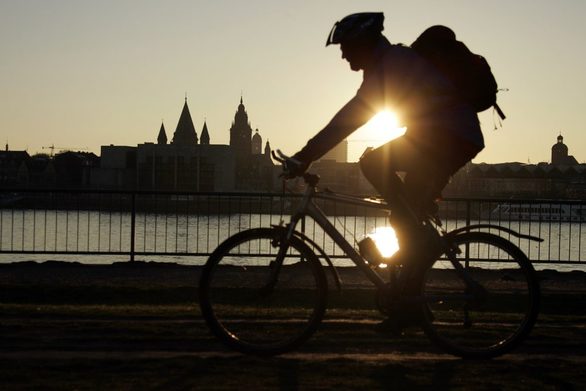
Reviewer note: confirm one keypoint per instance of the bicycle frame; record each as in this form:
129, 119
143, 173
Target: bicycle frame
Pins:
308, 208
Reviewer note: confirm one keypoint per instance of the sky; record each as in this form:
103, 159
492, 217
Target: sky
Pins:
80, 74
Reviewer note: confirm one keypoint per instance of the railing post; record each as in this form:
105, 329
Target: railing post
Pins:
132, 225
468, 219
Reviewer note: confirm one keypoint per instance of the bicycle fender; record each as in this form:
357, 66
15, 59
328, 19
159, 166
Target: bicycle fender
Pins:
492, 226
322, 253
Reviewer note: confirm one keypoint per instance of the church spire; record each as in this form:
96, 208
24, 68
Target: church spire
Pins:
241, 132
162, 137
205, 135
185, 134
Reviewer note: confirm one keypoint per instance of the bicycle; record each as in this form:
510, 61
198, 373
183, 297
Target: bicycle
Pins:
479, 298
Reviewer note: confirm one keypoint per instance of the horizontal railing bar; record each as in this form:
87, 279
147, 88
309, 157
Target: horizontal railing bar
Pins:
324, 195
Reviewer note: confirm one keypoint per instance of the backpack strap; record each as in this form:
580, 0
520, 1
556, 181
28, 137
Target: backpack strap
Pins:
499, 111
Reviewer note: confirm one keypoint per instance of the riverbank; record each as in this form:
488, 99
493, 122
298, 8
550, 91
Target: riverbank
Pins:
142, 275
169, 283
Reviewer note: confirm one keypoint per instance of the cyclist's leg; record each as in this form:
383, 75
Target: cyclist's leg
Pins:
427, 167
381, 167
444, 156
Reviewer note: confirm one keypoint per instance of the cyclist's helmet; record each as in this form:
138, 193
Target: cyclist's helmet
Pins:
356, 26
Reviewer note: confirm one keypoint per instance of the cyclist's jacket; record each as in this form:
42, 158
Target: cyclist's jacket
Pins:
424, 100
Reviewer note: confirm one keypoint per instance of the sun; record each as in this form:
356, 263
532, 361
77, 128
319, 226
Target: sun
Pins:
381, 128
384, 127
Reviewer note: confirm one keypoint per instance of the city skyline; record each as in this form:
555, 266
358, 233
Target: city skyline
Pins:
78, 74
169, 131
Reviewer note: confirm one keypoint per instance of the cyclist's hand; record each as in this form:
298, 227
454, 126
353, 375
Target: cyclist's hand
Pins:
294, 167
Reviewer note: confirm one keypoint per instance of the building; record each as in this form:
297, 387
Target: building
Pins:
564, 178
68, 169
13, 168
339, 153
42, 173
117, 169
342, 177
191, 163
253, 167
559, 154
184, 168
74, 170
185, 164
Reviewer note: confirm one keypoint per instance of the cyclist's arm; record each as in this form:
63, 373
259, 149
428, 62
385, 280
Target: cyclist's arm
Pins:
351, 116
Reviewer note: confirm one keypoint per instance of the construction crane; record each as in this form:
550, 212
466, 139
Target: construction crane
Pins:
52, 147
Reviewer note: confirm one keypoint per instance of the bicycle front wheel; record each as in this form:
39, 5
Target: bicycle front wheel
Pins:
491, 319
249, 309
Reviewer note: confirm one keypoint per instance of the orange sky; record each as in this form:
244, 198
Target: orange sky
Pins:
86, 73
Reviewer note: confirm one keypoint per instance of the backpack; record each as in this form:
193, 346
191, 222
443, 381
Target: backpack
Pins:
469, 72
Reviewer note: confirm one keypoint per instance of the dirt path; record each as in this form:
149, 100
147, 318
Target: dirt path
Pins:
126, 352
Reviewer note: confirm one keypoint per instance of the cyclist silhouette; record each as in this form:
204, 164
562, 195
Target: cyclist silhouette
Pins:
443, 132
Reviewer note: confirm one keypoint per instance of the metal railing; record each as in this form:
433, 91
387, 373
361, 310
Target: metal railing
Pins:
189, 226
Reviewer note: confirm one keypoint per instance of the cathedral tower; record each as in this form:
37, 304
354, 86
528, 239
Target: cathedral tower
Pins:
241, 133
256, 144
185, 133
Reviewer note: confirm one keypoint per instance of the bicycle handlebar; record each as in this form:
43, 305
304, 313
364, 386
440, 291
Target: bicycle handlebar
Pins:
292, 168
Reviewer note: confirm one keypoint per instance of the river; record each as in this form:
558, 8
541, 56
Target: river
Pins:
104, 237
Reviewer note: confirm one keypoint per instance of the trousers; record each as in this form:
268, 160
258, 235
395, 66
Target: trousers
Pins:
410, 172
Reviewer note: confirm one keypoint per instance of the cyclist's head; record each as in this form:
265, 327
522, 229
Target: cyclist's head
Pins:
357, 28
357, 34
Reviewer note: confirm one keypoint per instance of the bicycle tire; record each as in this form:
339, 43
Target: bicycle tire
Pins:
494, 325
241, 315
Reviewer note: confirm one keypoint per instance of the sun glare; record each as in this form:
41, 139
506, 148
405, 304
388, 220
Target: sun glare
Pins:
385, 125
381, 128
385, 240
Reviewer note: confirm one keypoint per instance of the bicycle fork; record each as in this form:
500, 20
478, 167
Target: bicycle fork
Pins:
282, 240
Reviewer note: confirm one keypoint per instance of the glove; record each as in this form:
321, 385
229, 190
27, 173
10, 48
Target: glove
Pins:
294, 167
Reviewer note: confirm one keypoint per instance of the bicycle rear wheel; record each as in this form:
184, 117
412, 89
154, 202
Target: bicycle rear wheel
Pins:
246, 315
481, 325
